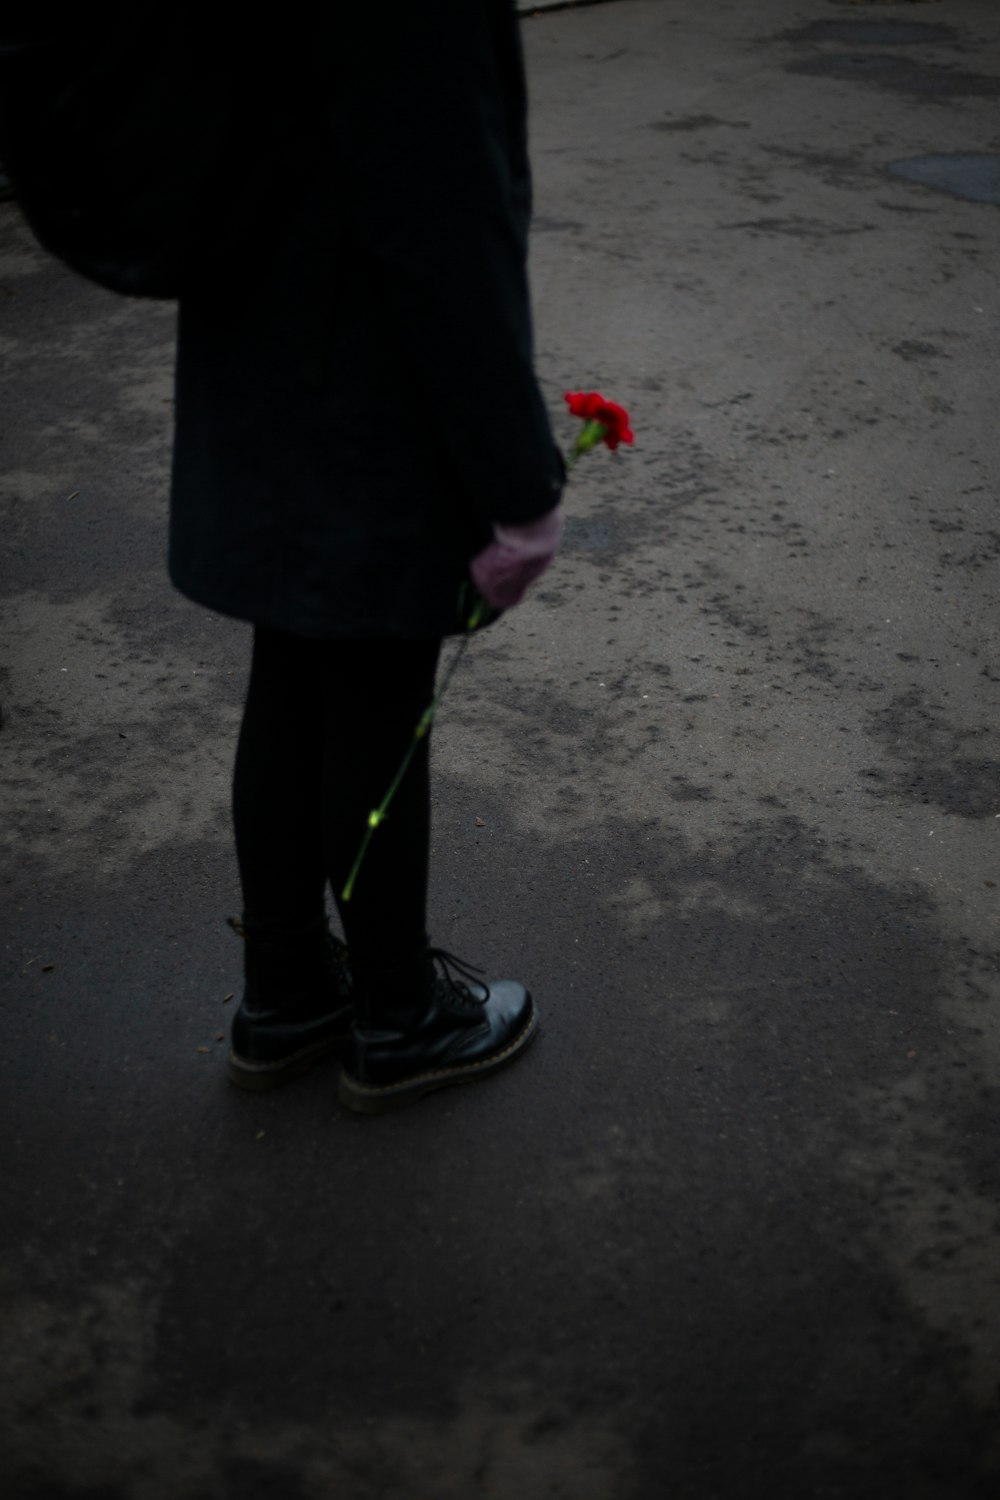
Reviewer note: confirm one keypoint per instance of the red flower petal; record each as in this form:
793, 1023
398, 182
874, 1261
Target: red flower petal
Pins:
592, 407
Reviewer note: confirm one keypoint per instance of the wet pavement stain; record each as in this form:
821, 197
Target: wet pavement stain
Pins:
698, 122
837, 168
921, 80
972, 175
873, 33
929, 760
684, 790
917, 349
799, 228
740, 968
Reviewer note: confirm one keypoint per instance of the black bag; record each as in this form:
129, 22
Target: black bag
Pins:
131, 145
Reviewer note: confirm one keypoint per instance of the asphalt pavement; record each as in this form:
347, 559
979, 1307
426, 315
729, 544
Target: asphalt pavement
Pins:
725, 792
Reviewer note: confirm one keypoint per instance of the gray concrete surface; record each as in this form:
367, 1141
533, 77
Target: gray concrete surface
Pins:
725, 792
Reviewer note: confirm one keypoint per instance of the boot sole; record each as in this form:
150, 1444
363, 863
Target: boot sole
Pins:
367, 1100
259, 1077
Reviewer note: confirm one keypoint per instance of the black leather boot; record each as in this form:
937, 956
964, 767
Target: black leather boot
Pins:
297, 1005
420, 1028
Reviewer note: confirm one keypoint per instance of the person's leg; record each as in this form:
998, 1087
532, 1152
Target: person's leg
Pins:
277, 785
374, 695
419, 1026
297, 1000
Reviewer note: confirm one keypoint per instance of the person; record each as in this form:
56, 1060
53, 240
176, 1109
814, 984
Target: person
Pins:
360, 445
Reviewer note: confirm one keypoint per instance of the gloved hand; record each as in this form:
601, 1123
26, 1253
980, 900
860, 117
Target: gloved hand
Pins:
516, 557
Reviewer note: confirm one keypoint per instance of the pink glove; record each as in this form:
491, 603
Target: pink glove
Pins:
516, 557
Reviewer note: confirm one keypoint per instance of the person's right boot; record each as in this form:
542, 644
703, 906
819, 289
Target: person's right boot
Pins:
420, 1028
297, 1003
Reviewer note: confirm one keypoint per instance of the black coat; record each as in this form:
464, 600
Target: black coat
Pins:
356, 403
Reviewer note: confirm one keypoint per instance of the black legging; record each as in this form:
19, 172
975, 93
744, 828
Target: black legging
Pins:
325, 727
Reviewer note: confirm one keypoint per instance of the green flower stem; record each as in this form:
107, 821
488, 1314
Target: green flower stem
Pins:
591, 434
378, 814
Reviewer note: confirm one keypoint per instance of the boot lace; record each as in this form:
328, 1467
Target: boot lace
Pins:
447, 967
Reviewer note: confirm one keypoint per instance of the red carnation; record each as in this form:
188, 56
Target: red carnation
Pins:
611, 418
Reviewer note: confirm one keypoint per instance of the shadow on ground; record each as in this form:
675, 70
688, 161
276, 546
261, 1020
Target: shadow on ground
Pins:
695, 1233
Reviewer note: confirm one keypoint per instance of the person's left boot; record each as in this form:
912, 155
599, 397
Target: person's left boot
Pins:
297, 1005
